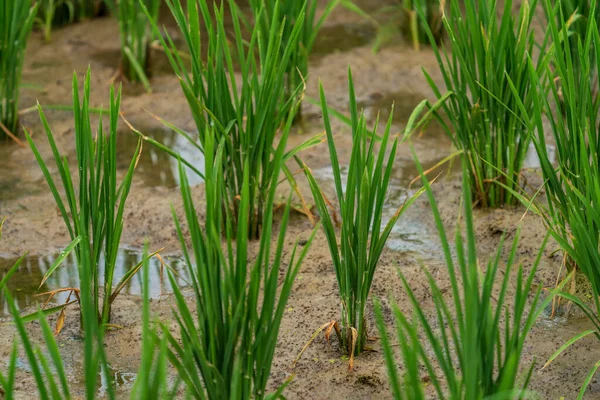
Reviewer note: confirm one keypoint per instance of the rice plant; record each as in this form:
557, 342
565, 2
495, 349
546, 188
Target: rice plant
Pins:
484, 54
363, 233
95, 210
53, 13
136, 35
567, 97
247, 112
152, 375
432, 10
572, 188
228, 340
16, 22
290, 13
468, 351
87, 9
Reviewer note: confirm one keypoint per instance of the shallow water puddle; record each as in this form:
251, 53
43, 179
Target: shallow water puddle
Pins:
26, 280
155, 167
533, 161
404, 105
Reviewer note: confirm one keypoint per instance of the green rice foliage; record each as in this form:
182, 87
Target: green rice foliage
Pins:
16, 22
87, 9
363, 233
575, 15
472, 347
152, 376
567, 97
136, 35
246, 109
53, 13
93, 211
485, 52
432, 10
228, 337
290, 14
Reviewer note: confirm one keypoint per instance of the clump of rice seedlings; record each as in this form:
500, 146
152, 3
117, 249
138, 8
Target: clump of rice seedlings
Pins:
363, 232
228, 339
52, 13
94, 211
247, 112
572, 109
473, 348
290, 13
136, 35
16, 22
432, 10
485, 54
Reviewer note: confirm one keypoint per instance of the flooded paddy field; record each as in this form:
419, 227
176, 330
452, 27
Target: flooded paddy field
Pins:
393, 75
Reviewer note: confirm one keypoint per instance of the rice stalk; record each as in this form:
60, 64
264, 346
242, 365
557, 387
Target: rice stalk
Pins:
152, 375
433, 11
484, 54
52, 13
136, 35
248, 109
16, 22
473, 347
290, 14
228, 339
363, 231
95, 210
566, 95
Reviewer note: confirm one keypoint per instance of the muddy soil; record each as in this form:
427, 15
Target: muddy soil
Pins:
34, 224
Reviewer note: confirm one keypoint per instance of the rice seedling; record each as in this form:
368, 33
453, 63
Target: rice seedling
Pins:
136, 35
566, 96
403, 17
151, 380
53, 13
432, 10
95, 211
363, 232
484, 52
228, 342
476, 355
16, 22
290, 13
247, 112
87, 9
568, 99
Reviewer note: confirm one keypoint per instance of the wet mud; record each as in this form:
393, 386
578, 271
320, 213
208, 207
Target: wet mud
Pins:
34, 225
